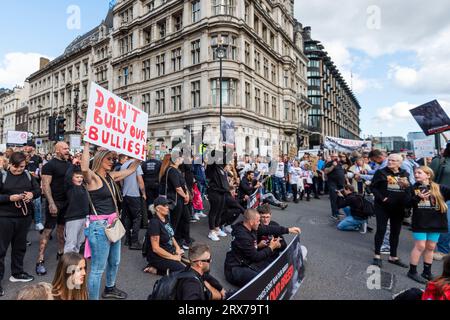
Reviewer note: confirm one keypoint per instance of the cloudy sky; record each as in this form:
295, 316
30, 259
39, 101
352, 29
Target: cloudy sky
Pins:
397, 51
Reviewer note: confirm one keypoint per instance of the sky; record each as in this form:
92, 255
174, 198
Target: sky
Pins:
394, 54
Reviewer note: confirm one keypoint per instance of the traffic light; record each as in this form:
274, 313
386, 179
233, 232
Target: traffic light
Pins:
51, 129
60, 129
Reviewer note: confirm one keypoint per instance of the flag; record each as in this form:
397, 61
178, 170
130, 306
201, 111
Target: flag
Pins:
254, 200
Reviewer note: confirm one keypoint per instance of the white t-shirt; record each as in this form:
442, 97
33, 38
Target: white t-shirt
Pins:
296, 173
280, 170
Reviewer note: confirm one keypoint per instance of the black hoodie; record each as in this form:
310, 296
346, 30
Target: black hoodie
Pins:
244, 246
425, 217
385, 185
17, 185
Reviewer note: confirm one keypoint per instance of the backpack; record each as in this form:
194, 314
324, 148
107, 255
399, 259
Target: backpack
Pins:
166, 287
368, 208
5, 175
151, 173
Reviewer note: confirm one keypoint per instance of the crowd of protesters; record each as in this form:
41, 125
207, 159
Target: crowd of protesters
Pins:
81, 194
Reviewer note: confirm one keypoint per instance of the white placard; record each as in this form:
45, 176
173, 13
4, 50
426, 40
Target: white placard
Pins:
17, 137
75, 141
424, 147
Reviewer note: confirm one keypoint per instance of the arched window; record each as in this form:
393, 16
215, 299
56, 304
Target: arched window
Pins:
247, 145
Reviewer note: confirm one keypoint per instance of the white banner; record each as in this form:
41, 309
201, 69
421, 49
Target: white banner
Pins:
115, 124
347, 145
17, 137
424, 148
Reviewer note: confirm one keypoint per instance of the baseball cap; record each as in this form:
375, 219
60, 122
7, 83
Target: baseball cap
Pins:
161, 201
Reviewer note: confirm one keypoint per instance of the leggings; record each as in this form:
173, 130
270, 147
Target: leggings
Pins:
395, 216
217, 204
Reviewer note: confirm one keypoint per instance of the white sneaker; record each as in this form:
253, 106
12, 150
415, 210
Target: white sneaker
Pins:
39, 227
228, 229
363, 229
213, 236
196, 217
221, 233
201, 214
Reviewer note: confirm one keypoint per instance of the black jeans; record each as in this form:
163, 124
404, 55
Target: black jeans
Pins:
240, 276
395, 216
151, 194
182, 232
132, 208
13, 231
176, 214
332, 187
217, 204
164, 265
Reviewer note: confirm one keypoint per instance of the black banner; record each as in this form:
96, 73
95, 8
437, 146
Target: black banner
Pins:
431, 118
279, 281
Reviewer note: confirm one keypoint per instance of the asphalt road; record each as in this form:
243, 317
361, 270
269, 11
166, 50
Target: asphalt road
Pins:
336, 266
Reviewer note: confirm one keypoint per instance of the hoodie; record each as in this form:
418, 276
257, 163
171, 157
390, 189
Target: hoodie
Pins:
385, 185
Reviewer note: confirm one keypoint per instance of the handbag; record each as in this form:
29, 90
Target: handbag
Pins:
171, 204
115, 231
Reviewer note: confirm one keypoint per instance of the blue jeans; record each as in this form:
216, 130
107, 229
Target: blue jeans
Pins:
37, 210
279, 186
350, 223
443, 245
105, 256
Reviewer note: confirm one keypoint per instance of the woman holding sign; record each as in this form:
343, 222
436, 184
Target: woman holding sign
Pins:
100, 183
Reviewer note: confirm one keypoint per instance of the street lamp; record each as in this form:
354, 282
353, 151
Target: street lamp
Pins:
77, 92
221, 52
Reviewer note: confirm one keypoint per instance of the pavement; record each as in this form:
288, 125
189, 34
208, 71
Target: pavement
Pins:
336, 266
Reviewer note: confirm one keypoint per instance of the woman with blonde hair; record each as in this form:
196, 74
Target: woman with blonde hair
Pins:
429, 220
103, 194
70, 278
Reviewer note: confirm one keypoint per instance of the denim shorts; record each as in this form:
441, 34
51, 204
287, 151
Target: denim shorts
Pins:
430, 236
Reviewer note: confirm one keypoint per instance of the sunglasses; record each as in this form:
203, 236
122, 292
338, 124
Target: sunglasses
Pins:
205, 260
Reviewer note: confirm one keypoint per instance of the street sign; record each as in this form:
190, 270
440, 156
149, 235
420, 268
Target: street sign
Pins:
38, 142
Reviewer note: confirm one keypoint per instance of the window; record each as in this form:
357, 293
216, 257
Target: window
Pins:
285, 78
146, 69
258, 101
160, 102
314, 82
264, 33
176, 98
195, 94
286, 110
126, 16
176, 59
178, 21
195, 10
63, 78
146, 102
195, 51
227, 7
247, 53
274, 74
86, 68
274, 108
228, 92
266, 68
272, 40
126, 44
70, 76
151, 5
126, 76
314, 63
148, 35
247, 96
257, 62
162, 29
266, 104
256, 24
77, 71
161, 64
247, 13
228, 42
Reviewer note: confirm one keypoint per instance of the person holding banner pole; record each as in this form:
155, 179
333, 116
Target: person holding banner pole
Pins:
102, 190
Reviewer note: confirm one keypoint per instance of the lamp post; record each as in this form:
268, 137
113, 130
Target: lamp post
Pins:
39, 107
220, 54
77, 92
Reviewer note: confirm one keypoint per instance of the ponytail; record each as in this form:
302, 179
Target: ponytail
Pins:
440, 201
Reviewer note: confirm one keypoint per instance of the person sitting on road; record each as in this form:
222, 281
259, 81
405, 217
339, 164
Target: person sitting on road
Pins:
201, 286
264, 239
352, 203
247, 187
244, 261
164, 254
439, 289
233, 210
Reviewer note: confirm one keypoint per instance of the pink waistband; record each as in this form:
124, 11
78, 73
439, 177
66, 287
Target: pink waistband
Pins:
110, 217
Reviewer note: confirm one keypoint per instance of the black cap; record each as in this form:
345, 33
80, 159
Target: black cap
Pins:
161, 201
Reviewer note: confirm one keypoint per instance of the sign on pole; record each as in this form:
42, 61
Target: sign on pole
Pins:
347, 145
431, 118
17, 137
75, 141
115, 124
228, 131
38, 142
424, 148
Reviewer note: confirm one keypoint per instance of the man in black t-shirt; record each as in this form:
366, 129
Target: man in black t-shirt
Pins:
53, 178
151, 169
336, 181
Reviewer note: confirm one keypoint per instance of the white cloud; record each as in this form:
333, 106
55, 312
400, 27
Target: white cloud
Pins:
399, 112
15, 67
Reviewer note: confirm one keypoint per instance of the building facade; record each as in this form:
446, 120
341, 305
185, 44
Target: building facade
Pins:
335, 109
11, 102
4, 93
61, 87
165, 61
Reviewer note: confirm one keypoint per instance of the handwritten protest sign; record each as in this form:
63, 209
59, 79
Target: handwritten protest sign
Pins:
115, 124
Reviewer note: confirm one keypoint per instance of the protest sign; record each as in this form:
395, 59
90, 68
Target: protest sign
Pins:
115, 124
280, 280
17, 137
347, 145
431, 118
424, 148
228, 131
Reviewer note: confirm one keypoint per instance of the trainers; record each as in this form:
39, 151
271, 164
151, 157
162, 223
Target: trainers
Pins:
40, 268
21, 277
363, 229
114, 293
228, 229
28, 243
415, 276
428, 276
221, 233
185, 245
59, 255
200, 214
213, 236
39, 227
438, 256
135, 246
385, 251
2, 292
334, 217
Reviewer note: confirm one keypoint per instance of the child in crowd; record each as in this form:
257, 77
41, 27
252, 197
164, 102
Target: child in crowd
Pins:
197, 203
307, 178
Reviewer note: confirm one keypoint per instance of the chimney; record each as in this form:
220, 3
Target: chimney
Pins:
43, 62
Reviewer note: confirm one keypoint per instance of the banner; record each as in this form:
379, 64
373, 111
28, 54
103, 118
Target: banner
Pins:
115, 124
17, 137
431, 118
347, 145
279, 281
254, 200
424, 148
228, 131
